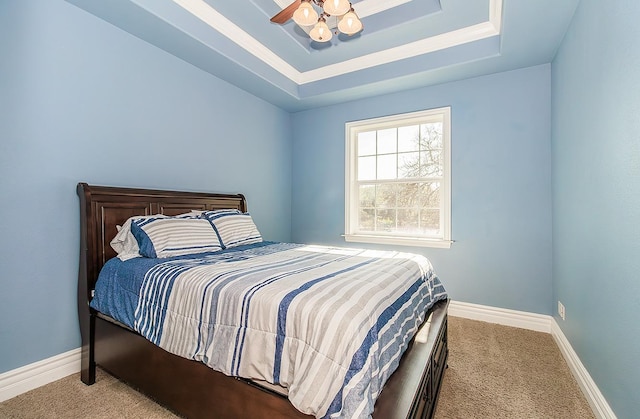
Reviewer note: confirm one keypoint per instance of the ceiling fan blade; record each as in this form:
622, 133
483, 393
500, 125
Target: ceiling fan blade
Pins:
286, 13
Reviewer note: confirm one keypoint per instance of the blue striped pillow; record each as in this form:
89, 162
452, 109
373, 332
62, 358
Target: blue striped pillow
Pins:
234, 228
174, 236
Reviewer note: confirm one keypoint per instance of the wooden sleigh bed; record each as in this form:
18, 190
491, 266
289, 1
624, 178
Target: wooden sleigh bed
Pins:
190, 388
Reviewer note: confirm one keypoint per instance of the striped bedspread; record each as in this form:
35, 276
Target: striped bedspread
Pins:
329, 324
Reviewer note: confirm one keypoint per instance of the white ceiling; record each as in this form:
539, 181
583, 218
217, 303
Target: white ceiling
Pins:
405, 43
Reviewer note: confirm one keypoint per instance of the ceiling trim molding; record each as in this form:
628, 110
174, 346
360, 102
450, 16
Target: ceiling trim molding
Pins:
413, 49
371, 7
220, 23
213, 18
495, 14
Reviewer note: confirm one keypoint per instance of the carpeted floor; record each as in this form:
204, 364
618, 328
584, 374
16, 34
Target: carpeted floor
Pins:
505, 372
494, 372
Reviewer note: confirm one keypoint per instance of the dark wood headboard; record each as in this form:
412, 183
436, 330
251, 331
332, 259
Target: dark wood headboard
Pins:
102, 208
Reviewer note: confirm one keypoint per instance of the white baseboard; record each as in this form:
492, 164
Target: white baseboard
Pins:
589, 388
23, 379
503, 316
546, 324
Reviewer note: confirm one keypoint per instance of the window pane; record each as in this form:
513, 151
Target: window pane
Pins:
367, 195
387, 141
386, 196
430, 195
367, 219
385, 220
387, 166
407, 221
367, 143
409, 138
408, 195
431, 136
367, 168
430, 220
431, 163
409, 165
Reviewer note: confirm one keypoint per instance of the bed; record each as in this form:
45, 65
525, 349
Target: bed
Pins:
189, 387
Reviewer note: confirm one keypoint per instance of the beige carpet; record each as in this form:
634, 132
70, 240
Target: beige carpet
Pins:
494, 372
505, 372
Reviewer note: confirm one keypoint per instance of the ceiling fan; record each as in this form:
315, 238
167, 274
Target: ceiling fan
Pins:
304, 14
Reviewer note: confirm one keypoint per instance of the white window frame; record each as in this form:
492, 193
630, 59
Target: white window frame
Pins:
352, 234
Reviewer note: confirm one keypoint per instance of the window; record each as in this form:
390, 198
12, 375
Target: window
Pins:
398, 179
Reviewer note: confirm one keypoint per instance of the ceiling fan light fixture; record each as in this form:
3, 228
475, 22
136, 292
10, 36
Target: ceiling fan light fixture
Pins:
321, 32
305, 15
312, 16
336, 7
350, 24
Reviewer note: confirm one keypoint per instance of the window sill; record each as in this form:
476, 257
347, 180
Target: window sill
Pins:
395, 240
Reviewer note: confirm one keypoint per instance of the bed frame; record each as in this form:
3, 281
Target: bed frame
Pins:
190, 388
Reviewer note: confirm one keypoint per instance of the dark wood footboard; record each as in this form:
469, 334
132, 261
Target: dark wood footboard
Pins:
193, 390
412, 391
187, 387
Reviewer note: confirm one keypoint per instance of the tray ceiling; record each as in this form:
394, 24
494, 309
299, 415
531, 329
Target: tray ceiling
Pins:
405, 43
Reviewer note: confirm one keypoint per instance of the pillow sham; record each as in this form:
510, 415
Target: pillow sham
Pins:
124, 243
164, 237
234, 228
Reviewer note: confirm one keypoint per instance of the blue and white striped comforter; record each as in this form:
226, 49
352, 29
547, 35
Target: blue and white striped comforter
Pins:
329, 324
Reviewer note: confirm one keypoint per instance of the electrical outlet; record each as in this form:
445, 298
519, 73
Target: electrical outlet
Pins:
561, 310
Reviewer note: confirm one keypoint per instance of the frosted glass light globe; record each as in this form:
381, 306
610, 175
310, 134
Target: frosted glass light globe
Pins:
350, 24
305, 14
336, 7
321, 32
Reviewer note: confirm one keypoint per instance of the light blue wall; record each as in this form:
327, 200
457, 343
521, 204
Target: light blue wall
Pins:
81, 100
596, 195
501, 176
